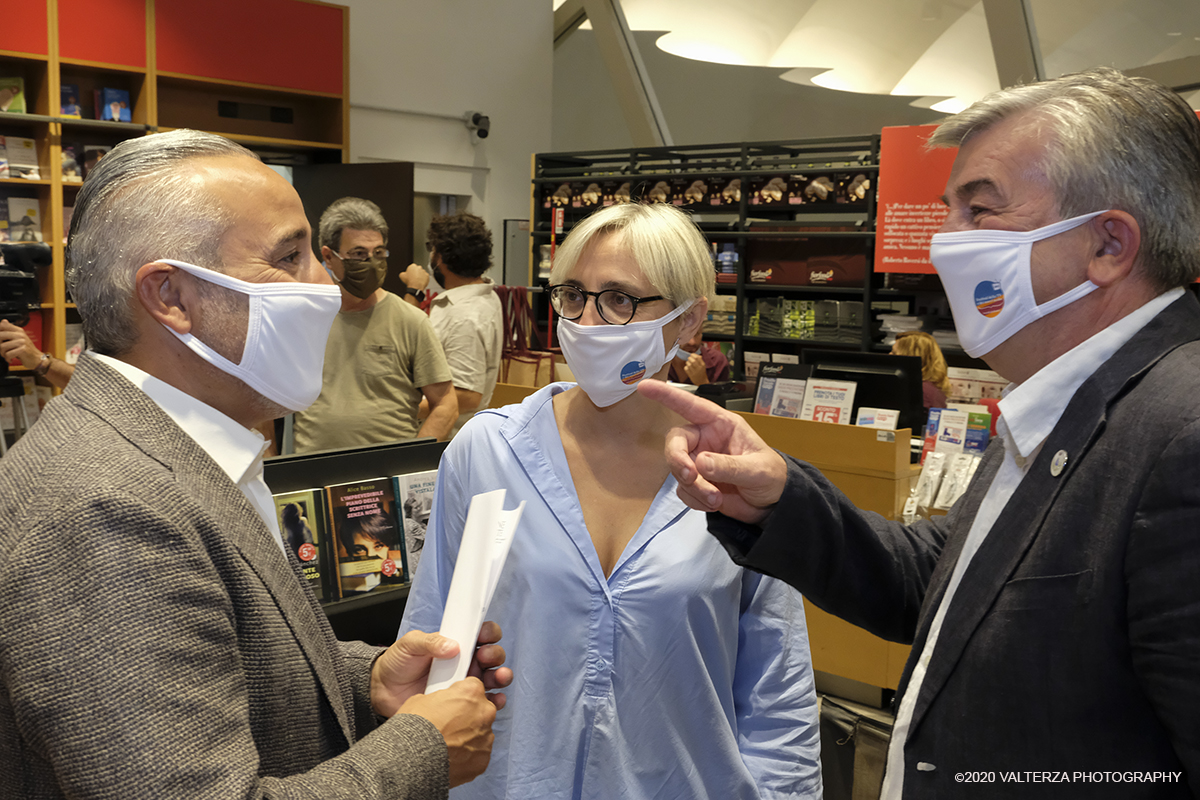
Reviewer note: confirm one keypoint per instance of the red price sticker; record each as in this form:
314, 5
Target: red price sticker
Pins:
389, 568
306, 552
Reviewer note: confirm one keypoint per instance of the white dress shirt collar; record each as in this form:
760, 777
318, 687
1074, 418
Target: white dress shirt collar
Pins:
1029, 412
237, 449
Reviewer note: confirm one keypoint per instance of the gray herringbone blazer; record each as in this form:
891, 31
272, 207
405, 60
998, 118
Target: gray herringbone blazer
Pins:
154, 640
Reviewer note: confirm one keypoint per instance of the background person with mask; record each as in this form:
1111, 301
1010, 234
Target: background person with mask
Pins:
183, 655
651, 665
1055, 611
382, 357
697, 364
466, 317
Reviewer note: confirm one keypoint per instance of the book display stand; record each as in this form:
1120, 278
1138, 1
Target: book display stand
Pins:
372, 617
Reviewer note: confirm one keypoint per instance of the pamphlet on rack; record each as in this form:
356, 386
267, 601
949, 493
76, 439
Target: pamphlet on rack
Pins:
885, 418
827, 400
487, 537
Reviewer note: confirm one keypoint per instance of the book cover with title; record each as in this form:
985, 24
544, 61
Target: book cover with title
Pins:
366, 532
302, 523
415, 494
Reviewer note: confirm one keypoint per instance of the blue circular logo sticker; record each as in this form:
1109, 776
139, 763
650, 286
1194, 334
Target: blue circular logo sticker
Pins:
633, 372
989, 298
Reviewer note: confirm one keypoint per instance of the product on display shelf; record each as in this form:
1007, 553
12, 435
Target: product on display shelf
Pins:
414, 492
753, 361
585, 195
72, 172
819, 189
113, 105
659, 193
24, 219
366, 532
302, 522
780, 389
724, 191
92, 153
69, 105
12, 95
695, 193
884, 418
828, 400
21, 153
768, 190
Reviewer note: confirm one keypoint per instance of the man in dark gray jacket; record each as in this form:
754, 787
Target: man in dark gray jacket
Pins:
1055, 612
156, 637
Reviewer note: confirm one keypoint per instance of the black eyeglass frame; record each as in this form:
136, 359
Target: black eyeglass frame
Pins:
379, 252
596, 299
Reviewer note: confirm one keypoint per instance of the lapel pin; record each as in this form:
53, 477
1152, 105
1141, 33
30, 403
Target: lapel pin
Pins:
1059, 463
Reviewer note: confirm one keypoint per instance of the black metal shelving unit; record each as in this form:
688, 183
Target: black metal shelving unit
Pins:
645, 169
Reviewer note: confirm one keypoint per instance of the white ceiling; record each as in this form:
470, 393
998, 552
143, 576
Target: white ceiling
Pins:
938, 52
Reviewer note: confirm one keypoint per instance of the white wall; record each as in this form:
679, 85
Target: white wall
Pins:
416, 66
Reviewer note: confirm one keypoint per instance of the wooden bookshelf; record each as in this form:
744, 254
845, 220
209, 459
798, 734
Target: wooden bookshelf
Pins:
233, 81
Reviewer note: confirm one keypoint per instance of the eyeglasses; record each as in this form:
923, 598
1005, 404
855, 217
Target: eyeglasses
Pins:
615, 307
361, 254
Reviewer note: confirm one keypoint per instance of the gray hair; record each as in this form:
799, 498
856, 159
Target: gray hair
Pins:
1115, 142
138, 205
664, 241
350, 212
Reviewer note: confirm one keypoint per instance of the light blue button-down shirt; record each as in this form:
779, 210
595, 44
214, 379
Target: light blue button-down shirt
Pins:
678, 677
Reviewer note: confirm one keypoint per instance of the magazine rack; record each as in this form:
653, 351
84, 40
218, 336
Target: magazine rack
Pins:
374, 617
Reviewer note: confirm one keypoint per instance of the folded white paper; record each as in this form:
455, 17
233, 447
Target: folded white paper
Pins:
486, 539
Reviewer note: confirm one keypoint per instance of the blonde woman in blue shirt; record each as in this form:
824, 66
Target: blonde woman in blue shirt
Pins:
647, 664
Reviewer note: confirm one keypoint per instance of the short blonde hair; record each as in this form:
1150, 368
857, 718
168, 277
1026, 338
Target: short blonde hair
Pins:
667, 245
933, 363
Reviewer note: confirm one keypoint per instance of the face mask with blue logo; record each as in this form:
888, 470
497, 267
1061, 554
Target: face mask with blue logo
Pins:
610, 360
988, 279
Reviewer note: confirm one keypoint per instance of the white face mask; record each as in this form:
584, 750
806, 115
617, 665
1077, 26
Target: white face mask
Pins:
988, 280
610, 360
285, 337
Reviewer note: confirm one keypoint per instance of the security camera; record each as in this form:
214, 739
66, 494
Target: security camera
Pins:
478, 124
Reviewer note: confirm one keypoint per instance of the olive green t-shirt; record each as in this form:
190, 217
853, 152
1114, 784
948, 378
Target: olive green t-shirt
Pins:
376, 362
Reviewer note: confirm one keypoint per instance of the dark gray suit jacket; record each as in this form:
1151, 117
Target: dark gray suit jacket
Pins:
1073, 642
156, 643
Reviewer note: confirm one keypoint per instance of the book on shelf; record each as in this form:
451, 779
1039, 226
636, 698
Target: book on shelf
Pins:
113, 105
305, 532
21, 153
4, 173
367, 534
92, 153
12, 95
415, 493
69, 105
827, 400
72, 172
24, 219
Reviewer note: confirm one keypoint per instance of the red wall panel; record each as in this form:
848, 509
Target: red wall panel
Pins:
285, 43
23, 27
112, 31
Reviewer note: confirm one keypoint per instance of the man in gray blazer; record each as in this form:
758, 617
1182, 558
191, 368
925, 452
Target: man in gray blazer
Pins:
1055, 612
156, 637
